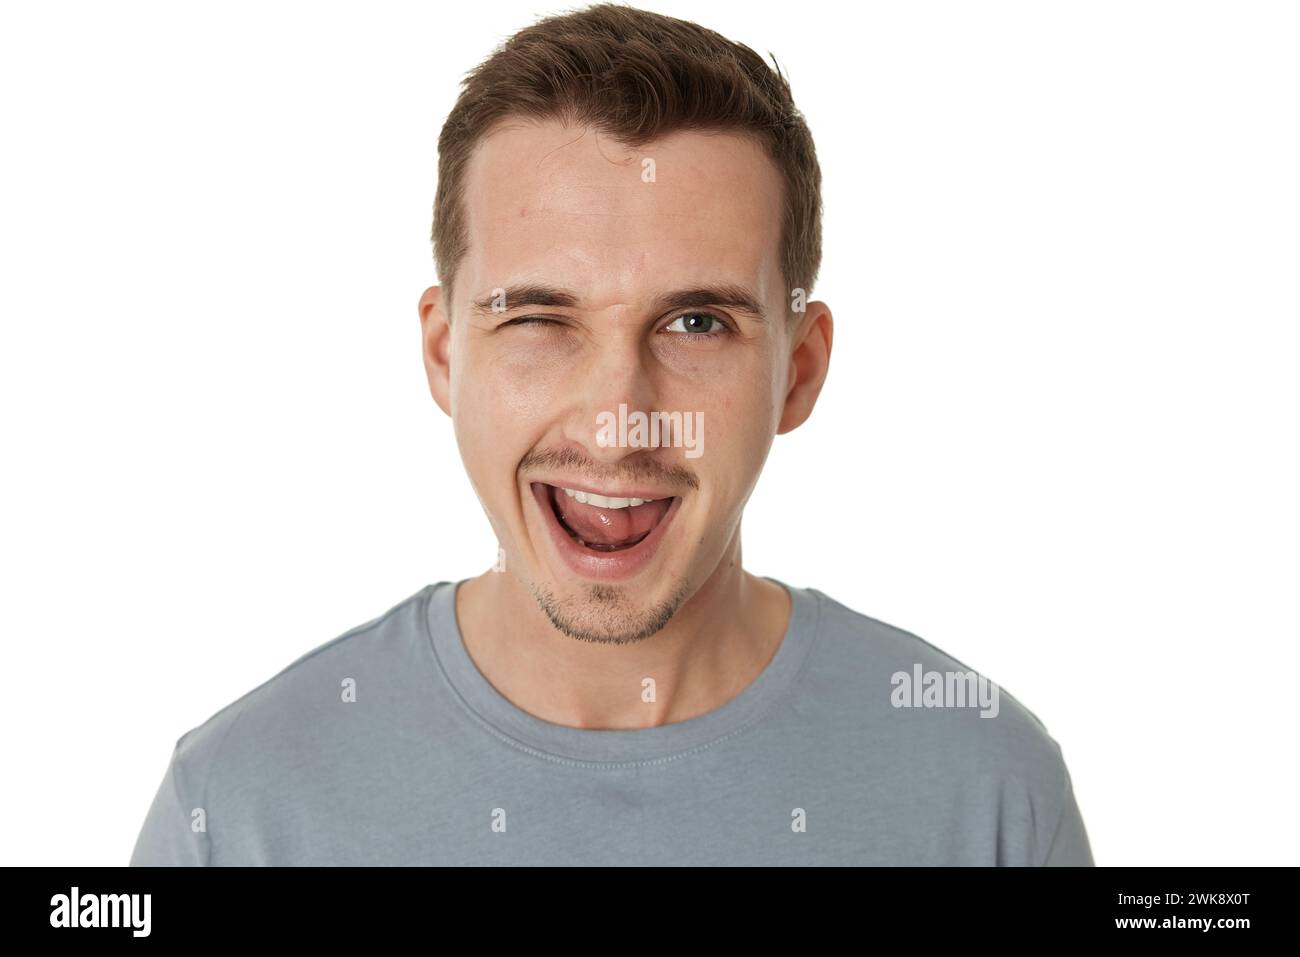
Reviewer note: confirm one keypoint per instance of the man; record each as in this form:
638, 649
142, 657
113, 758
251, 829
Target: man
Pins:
626, 226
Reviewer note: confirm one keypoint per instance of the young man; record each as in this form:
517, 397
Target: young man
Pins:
626, 225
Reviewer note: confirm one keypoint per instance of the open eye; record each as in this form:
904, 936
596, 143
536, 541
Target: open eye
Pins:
697, 324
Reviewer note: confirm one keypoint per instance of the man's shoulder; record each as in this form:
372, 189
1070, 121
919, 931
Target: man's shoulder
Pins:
950, 741
909, 694
290, 709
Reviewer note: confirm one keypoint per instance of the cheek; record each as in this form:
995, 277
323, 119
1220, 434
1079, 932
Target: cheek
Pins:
520, 378
738, 430
502, 398
736, 397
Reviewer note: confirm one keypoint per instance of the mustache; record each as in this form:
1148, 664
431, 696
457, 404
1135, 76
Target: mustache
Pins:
632, 468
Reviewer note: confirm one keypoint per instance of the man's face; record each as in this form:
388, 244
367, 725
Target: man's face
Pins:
566, 208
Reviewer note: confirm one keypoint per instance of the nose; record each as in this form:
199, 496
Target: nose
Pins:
618, 372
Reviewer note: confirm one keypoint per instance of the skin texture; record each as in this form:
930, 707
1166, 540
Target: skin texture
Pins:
569, 207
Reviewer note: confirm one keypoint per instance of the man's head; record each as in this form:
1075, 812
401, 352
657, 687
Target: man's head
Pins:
626, 228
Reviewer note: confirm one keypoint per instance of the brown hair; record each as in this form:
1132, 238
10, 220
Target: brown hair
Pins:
634, 76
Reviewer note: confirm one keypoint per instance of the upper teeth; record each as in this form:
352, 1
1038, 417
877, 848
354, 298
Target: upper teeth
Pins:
603, 501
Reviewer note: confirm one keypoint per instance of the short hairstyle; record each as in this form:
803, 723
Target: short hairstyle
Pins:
635, 76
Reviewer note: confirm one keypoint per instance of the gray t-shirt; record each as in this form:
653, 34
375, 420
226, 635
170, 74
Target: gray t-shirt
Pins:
387, 746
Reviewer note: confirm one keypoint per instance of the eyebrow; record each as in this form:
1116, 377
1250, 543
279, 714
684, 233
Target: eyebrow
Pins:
729, 295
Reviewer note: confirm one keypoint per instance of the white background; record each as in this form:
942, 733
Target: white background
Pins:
1058, 439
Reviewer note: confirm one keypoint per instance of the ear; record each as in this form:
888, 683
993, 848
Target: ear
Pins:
809, 362
435, 337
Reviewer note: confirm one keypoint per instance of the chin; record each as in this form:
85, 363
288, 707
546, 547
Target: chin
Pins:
609, 613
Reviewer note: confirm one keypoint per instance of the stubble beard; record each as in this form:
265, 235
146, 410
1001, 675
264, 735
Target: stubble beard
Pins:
603, 614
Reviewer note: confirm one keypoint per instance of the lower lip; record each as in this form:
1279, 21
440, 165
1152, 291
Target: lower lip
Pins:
605, 566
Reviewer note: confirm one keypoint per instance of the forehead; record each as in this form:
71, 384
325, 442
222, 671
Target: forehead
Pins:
573, 207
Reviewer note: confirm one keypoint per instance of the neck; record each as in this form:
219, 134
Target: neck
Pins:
714, 647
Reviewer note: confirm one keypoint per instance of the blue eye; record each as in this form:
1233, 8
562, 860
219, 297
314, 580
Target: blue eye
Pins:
697, 323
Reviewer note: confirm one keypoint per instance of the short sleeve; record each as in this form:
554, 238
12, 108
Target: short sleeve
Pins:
175, 829
1070, 847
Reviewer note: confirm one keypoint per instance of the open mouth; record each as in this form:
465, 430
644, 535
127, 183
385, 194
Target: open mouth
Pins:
604, 535
604, 523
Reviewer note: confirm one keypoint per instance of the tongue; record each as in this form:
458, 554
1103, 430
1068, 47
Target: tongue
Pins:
609, 526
